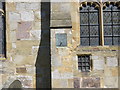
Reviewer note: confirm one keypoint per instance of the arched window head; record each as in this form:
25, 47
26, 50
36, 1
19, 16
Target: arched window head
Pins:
111, 20
89, 24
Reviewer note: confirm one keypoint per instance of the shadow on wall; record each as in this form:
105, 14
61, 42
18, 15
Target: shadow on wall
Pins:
43, 62
16, 84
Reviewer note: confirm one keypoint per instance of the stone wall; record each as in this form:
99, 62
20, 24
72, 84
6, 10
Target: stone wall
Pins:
23, 22
30, 59
64, 60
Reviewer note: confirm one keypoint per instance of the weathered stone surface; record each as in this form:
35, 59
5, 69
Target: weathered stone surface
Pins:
13, 26
76, 83
60, 16
35, 34
111, 82
58, 23
20, 6
26, 81
23, 30
21, 70
14, 45
112, 61
64, 83
27, 15
55, 74
38, 15
13, 36
98, 64
14, 17
35, 49
32, 6
95, 57
56, 61
91, 82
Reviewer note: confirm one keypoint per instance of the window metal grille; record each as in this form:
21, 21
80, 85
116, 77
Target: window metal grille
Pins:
84, 63
111, 19
89, 26
2, 29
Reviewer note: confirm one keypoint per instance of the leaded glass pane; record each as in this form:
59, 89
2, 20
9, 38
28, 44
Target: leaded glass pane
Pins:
111, 16
84, 18
107, 30
84, 9
94, 31
82, 64
84, 31
85, 41
116, 30
116, 40
116, 17
89, 26
94, 41
93, 18
107, 18
115, 8
108, 40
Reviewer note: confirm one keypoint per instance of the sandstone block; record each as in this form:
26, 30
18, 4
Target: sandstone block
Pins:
112, 61
35, 34
21, 70
20, 6
98, 64
91, 82
27, 15
14, 17
111, 82
23, 30
76, 83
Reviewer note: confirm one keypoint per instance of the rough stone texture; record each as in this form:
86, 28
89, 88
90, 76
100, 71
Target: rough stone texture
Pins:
23, 30
35, 34
90, 82
27, 15
60, 15
76, 83
27, 42
98, 64
14, 17
112, 61
109, 82
21, 70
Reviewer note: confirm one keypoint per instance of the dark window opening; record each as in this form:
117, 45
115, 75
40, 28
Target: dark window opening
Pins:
2, 29
84, 63
111, 19
89, 26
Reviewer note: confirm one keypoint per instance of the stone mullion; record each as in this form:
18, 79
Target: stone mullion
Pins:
101, 25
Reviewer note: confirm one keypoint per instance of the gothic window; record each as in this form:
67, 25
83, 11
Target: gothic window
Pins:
2, 29
89, 24
111, 19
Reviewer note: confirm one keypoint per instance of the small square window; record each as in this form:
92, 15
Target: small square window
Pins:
84, 63
61, 39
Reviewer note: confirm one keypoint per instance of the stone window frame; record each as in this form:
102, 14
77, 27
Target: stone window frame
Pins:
90, 62
100, 5
3, 14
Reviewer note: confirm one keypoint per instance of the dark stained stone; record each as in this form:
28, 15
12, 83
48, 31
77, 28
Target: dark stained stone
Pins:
15, 84
76, 83
91, 82
21, 70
